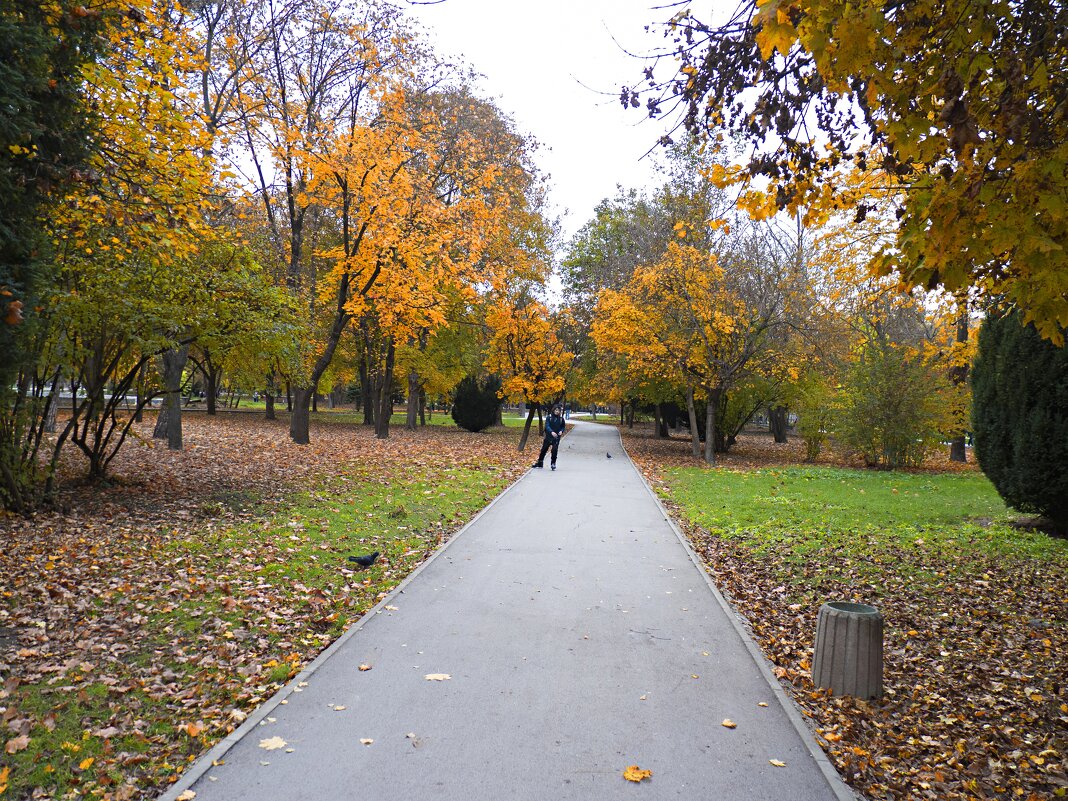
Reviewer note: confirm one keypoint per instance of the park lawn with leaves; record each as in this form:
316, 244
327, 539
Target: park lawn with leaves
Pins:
141, 623
976, 615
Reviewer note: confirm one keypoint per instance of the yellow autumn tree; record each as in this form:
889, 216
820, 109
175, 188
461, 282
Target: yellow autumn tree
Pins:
702, 320
526, 353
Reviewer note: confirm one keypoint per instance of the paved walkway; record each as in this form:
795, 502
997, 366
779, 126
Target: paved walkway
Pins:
580, 638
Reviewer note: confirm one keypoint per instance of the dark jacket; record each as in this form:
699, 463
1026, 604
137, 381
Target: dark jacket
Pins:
554, 424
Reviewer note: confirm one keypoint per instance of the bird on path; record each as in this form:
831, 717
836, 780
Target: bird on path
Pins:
366, 560
608, 455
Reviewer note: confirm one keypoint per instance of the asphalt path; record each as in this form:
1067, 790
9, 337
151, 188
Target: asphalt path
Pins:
579, 637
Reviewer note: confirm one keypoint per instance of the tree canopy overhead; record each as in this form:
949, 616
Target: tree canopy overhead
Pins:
961, 106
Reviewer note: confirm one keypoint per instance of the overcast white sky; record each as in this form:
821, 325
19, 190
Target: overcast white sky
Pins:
545, 64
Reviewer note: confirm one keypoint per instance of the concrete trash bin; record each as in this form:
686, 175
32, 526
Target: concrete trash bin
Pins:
848, 656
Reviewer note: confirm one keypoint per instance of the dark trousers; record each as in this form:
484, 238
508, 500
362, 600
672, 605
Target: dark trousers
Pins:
549, 442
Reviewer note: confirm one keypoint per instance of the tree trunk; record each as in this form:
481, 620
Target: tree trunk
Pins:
630, 414
139, 413
541, 423
315, 400
211, 379
422, 407
300, 406
959, 376
710, 426
385, 395
269, 397
50, 415
526, 429
366, 394
289, 397
777, 422
695, 435
169, 422
413, 400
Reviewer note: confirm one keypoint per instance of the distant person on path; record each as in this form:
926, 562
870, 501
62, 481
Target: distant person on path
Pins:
554, 429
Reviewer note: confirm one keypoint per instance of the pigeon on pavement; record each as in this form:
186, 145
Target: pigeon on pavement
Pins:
608, 455
364, 561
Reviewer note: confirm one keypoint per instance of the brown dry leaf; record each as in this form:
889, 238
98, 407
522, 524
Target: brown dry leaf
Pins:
365, 667
193, 729
728, 724
366, 741
635, 774
272, 743
16, 744
777, 763
340, 708
762, 703
438, 677
188, 795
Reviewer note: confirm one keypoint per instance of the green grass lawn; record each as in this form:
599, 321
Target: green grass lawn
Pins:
810, 508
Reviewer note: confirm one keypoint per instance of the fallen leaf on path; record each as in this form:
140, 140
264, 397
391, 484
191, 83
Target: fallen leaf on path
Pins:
636, 774
762, 703
188, 795
777, 763
643, 697
438, 677
365, 667
272, 743
340, 708
728, 724
366, 741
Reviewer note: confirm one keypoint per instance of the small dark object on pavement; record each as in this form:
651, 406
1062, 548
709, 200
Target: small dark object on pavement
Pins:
608, 455
364, 561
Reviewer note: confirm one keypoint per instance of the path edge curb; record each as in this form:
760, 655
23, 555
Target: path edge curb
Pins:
841, 790
204, 763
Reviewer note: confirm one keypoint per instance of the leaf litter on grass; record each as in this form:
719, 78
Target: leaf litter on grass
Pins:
204, 579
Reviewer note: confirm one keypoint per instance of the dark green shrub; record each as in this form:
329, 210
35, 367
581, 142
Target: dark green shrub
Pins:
476, 403
1020, 416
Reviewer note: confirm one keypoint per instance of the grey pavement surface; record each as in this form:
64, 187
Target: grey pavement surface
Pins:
580, 638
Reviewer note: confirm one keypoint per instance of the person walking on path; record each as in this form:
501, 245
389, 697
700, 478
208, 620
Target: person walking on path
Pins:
554, 429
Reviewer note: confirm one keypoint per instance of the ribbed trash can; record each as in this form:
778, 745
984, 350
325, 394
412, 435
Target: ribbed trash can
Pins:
848, 657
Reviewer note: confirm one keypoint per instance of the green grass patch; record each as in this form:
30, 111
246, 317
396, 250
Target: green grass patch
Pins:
802, 510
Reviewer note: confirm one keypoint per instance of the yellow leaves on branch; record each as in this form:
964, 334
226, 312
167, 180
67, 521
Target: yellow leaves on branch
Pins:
525, 351
972, 131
